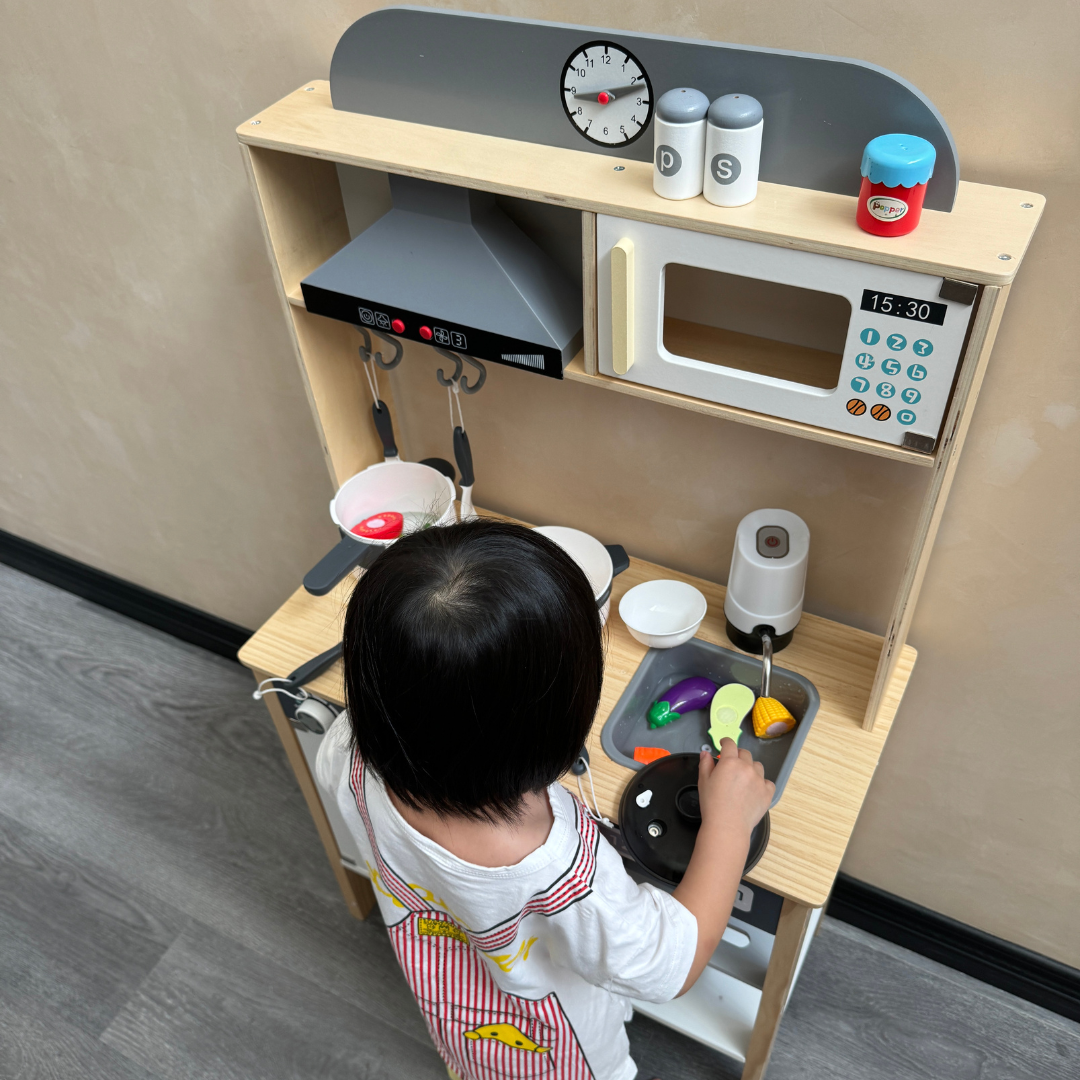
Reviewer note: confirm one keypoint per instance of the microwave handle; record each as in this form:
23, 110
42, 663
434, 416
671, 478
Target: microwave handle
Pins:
622, 306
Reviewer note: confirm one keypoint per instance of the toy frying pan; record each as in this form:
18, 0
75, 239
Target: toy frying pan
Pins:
660, 816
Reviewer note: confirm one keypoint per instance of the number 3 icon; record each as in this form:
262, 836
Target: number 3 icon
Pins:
922, 347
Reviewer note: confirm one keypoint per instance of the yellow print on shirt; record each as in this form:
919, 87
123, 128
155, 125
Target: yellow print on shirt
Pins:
441, 928
375, 881
508, 1034
507, 962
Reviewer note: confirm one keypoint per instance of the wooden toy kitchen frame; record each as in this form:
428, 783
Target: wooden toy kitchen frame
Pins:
291, 150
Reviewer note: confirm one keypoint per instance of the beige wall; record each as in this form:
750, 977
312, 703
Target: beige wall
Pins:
152, 421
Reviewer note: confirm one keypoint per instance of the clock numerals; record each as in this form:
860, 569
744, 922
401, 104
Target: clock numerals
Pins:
606, 94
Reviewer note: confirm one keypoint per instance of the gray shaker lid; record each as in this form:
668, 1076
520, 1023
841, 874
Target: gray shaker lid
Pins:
682, 106
734, 111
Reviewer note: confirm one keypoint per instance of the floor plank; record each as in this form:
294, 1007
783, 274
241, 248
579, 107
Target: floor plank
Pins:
72, 935
37, 1044
216, 1010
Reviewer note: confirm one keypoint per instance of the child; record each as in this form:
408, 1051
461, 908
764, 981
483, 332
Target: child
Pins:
473, 664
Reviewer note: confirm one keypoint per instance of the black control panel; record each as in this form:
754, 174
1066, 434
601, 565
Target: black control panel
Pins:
416, 326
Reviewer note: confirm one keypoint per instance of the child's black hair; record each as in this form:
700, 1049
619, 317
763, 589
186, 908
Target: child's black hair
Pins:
473, 663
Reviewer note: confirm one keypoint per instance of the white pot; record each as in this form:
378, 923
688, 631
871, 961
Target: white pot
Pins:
420, 493
597, 561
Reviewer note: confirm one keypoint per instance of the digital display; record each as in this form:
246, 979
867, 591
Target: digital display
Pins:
904, 307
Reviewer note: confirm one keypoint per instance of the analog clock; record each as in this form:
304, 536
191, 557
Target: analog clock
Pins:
606, 94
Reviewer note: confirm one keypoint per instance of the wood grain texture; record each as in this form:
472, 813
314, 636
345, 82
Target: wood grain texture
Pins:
149, 758
812, 823
303, 221
985, 222
575, 371
984, 328
212, 1008
747, 352
794, 920
864, 1008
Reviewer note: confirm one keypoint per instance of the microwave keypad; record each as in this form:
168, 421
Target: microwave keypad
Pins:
901, 376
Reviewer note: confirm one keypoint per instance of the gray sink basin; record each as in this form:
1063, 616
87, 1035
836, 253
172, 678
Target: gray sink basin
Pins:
661, 669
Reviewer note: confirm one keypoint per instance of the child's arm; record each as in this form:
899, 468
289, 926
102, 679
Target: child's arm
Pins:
734, 796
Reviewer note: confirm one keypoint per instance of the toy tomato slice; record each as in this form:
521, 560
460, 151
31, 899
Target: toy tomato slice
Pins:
384, 526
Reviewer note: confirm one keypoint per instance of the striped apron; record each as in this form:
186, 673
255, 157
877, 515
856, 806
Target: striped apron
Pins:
481, 1031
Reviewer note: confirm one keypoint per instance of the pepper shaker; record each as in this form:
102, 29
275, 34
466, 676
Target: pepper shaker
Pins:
895, 170
733, 150
679, 141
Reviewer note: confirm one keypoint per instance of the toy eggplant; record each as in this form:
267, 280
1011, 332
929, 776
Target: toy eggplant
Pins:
690, 694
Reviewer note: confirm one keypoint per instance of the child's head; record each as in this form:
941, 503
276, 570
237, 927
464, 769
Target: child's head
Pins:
473, 662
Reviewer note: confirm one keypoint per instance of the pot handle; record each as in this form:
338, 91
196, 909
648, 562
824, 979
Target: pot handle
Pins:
620, 561
337, 562
313, 667
385, 427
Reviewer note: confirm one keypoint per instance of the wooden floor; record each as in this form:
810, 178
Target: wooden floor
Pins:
166, 909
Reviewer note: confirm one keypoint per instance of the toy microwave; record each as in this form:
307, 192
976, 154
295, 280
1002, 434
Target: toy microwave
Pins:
849, 346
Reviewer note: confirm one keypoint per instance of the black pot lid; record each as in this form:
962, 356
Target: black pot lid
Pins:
661, 834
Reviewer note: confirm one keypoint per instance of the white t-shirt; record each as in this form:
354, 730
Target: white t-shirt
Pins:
520, 971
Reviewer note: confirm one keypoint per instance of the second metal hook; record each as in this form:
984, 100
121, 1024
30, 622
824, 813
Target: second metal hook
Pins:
458, 368
399, 351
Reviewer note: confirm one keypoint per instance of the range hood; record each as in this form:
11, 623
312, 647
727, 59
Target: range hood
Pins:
447, 267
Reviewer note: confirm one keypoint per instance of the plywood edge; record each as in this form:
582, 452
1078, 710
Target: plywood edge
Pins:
987, 221
575, 372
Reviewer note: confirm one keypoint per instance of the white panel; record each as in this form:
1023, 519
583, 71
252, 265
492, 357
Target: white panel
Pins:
309, 744
884, 356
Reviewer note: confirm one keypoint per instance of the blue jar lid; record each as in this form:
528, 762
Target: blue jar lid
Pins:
682, 106
898, 160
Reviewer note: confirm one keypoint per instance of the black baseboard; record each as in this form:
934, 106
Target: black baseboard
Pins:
1009, 967
182, 621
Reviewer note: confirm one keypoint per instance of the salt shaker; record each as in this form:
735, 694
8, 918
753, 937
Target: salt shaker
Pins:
895, 170
679, 141
733, 150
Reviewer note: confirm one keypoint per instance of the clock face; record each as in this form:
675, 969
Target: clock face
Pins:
606, 94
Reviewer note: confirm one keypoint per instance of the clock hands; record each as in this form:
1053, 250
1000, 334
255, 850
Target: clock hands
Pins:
608, 94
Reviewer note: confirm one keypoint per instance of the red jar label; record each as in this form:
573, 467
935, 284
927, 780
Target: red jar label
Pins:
885, 208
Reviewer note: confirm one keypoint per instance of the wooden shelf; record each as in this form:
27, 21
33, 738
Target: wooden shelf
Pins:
575, 372
986, 222
813, 821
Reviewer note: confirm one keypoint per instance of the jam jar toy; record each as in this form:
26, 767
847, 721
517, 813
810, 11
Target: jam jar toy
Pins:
895, 170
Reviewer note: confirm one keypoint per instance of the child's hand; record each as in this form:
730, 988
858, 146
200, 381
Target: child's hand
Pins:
732, 789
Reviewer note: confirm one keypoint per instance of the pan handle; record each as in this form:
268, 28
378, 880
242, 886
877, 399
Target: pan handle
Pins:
385, 427
337, 562
620, 561
313, 667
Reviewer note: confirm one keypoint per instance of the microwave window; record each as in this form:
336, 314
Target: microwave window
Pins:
782, 331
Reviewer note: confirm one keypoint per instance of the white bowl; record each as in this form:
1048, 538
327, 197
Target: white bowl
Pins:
664, 613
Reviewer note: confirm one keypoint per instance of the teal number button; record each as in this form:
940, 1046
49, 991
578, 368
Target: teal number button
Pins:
891, 366
911, 396
885, 389
916, 373
865, 361
922, 347
869, 336
896, 342
906, 417
860, 385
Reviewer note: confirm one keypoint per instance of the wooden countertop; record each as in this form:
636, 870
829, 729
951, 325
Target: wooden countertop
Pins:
812, 823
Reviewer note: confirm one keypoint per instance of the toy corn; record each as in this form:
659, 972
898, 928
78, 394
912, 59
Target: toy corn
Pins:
771, 718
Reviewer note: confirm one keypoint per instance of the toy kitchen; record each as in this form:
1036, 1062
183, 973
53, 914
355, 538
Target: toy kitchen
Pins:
766, 239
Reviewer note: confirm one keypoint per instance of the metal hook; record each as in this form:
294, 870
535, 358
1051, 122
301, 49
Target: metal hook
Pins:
365, 349
443, 380
399, 351
480, 379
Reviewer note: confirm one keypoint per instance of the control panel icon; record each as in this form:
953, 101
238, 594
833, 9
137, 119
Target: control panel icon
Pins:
382, 320
891, 366
365, 316
442, 336
459, 340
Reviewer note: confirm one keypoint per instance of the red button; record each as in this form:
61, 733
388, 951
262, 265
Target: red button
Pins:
398, 326
425, 332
